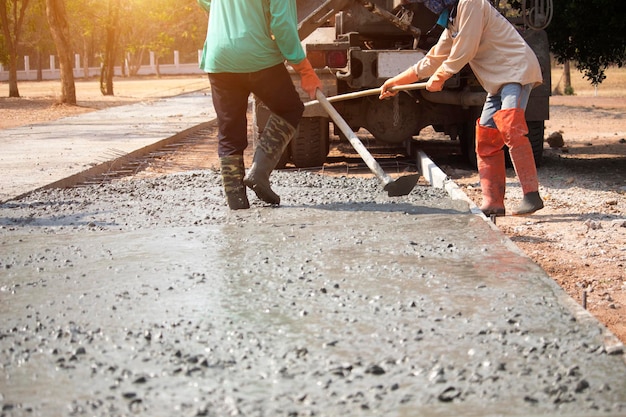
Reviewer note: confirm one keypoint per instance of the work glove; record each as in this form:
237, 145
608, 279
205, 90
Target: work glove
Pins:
437, 80
309, 79
407, 76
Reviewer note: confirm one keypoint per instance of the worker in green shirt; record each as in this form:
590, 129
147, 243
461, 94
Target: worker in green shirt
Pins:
247, 44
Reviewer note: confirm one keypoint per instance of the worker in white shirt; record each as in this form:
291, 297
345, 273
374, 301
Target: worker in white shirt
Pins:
477, 34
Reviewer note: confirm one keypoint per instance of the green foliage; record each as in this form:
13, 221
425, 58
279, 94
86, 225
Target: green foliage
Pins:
36, 37
161, 26
569, 91
591, 33
158, 25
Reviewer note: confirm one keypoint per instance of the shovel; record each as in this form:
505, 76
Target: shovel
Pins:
395, 188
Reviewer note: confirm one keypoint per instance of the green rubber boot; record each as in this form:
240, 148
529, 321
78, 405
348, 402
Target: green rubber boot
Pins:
269, 148
233, 170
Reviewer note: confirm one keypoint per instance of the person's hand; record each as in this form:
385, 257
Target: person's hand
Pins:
384, 89
437, 80
408, 76
309, 81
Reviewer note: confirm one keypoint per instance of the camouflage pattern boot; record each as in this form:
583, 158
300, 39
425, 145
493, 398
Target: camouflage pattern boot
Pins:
269, 148
233, 170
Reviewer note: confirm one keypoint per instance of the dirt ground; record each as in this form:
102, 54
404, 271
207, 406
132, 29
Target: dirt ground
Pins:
579, 239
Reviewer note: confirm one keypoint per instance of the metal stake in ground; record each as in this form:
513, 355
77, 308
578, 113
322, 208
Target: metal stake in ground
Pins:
395, 188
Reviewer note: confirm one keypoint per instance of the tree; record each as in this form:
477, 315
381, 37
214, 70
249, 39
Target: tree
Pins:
86, 28
174, 21
59, 28
12, 14
110, 49
36, 41
4, 57
134, 28
160, 26
567, 79
136, 32
161, 46
591, 33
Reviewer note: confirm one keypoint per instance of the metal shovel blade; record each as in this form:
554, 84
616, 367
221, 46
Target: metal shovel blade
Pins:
395, 188
401, 185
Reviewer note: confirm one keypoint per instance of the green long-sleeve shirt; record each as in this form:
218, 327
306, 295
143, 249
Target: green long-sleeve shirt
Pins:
250, 35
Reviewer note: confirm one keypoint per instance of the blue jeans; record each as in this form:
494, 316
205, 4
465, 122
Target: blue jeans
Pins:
230, 92
510, 96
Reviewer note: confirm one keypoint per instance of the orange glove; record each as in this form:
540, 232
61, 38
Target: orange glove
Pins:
309, 79
436, 81
407, 76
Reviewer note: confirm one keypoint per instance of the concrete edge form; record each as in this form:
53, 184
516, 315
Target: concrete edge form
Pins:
437, 178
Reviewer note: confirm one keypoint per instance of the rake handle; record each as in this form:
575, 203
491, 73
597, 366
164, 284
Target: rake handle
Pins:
352, 137
365, 93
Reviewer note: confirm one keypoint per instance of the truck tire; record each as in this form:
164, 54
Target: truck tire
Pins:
309, 148
535, 137
536, 131
284, 159
467, 140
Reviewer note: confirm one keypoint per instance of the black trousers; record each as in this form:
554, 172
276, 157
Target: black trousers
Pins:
230, 92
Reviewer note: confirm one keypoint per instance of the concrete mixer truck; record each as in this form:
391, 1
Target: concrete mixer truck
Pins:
357, 44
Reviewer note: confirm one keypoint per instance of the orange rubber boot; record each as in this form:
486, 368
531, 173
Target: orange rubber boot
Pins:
512, 125
490, 158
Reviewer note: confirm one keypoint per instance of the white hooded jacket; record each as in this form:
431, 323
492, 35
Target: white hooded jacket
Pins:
481, 37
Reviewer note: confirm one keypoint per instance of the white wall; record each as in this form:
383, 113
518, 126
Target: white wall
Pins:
53, 73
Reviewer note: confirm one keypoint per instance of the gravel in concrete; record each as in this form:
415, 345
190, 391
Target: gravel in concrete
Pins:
150, 297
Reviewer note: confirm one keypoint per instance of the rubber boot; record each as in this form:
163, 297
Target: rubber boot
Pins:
233, 170
491, 168
269, 148
512, 125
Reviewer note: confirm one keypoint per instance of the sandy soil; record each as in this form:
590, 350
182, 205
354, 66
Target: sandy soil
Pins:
579, 239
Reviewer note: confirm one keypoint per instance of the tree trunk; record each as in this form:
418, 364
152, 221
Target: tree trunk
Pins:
39, 65
110, 50
85, 58
59, 28
567, 78
124, 66
12, 37
13, 89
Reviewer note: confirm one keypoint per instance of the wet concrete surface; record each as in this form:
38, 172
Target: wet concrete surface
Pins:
37, 155
149, 297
